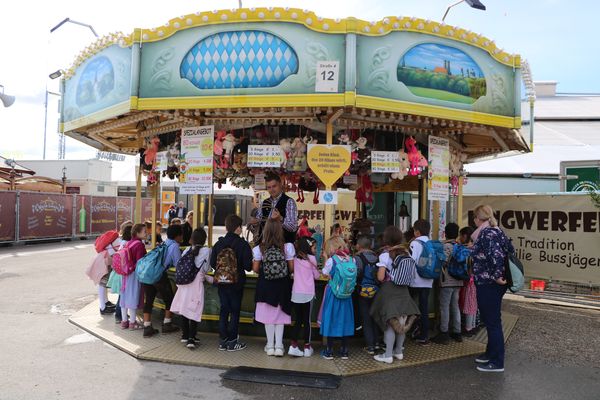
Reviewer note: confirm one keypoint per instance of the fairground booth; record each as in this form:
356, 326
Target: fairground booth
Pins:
336, 107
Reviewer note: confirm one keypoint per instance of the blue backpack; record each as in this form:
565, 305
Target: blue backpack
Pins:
343, 282
150, 268
368, 284
458, 266
431, 259
185, 270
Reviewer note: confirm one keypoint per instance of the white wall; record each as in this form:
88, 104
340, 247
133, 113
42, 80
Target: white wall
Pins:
76, 169
510, 185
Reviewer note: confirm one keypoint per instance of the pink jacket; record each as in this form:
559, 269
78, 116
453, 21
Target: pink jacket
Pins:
305, 273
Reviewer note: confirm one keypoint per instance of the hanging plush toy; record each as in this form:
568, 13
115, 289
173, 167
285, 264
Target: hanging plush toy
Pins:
308, 184
404, 166
308, 139
414, 156
240, 156
363, 160
364, 193
303, 228
286, 148
229, 143
150, 153
297, 161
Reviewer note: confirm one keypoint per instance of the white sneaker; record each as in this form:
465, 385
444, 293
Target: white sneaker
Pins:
308, 352
270, 351
383, 358
295, 351
278, 352
399, 356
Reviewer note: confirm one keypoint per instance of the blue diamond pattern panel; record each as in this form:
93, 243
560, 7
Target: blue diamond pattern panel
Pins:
239, 59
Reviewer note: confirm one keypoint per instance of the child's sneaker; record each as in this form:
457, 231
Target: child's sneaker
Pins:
124, 324
222, 344
279, 351
308, 351
295, 351
270, 351
191, 344
327, 354
457, 337
399, 356
344, 354
149, 331
382, 358
135, 326
235, 345
183, 339
370, 350
441, 338
169, 328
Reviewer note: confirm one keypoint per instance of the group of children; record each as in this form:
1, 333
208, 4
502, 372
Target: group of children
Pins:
392, 297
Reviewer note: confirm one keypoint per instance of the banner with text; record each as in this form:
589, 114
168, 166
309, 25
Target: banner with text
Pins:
45, 215
439, 169
104, 214
197, 165
556, 236
345, 211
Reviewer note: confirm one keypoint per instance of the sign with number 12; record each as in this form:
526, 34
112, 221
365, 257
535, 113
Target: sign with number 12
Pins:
327, 77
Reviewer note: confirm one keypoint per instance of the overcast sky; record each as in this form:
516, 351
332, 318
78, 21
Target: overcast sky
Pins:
558, 37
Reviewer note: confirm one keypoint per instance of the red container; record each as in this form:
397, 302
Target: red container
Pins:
536, 284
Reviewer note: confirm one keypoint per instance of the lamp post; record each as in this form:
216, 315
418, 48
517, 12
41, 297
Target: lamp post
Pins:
58, 74
64, 180
472, 3
6, 99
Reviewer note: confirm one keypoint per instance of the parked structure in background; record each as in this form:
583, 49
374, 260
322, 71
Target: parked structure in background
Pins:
566, 130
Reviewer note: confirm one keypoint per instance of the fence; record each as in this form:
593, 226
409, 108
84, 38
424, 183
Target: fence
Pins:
31, 216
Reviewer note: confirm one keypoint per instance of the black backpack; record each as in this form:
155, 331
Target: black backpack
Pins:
274, 265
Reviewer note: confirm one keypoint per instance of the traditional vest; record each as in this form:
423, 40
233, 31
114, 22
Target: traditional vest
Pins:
290, 237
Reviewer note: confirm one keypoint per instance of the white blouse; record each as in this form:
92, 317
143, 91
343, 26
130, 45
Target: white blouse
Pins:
290, 252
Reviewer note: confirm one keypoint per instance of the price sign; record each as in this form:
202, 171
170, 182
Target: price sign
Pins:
264, 156
327, 77
385, 161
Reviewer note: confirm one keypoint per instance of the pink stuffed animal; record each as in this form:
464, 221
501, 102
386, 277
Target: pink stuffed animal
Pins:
150, 154
413, 155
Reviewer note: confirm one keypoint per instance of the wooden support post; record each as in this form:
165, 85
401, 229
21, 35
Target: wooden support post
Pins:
138, 189
196, 209
210, 220
329, 208
202, 201
435, 221
459, 203
423, 204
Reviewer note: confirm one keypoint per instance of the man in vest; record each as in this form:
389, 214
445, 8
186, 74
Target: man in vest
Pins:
279, 207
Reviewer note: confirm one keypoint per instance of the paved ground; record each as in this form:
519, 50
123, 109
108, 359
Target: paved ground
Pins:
553, 353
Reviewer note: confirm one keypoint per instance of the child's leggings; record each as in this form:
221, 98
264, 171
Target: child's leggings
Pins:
274, 335
302, 321
390, 337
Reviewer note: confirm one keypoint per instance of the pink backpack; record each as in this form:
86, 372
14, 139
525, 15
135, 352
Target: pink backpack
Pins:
122, 262
98, 268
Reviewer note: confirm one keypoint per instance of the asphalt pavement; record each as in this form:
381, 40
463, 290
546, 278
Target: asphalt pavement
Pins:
553, 352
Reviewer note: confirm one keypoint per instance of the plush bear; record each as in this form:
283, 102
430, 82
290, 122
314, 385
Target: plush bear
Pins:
286, 148
297, 161
404, 166
229, 143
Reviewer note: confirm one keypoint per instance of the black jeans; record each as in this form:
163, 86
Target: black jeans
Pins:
489, 301
118, 309
231, 304
163, 286
421, 296
302, 321
189, 327
370, 329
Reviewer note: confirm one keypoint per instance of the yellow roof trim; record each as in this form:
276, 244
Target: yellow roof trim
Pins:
303, 17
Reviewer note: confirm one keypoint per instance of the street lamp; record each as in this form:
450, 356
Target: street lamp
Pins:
64, 179
55, 75
472, 3
6, 99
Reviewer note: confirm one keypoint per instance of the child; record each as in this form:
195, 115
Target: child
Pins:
130, 288
338, 315
449, 292
274, 263
163, 286
318, 237
366, 261
115, 280
421, 287
303, 293
157, 233
189, 299
468, 293
393, 309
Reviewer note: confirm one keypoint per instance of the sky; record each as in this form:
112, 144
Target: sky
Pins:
556, 36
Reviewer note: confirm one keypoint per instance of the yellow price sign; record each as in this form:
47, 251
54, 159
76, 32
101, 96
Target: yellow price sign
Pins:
329, 162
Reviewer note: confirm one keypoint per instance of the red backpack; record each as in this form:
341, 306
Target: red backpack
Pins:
105, 239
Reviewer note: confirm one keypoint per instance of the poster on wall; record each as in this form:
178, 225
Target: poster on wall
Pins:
104, 214
8, 203
387, 162
197, 164
264, 156
147, 210
556, 236
439, 169
83, 213
124, 210
45, 215
345, 212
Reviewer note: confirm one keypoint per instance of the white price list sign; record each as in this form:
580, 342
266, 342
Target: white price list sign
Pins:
385, 162
264, 156
327, 77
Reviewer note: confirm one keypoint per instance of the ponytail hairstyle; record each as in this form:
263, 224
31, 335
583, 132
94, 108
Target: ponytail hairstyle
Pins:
486, 213
198, 240
303, 247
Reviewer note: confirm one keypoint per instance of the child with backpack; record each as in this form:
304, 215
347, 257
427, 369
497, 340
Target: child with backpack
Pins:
124, 263
366, 262
393, 309
163, 285
449, 290
190, 274
337, 321
468, 293
231, 257
303, 293
273, 261
115, 280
